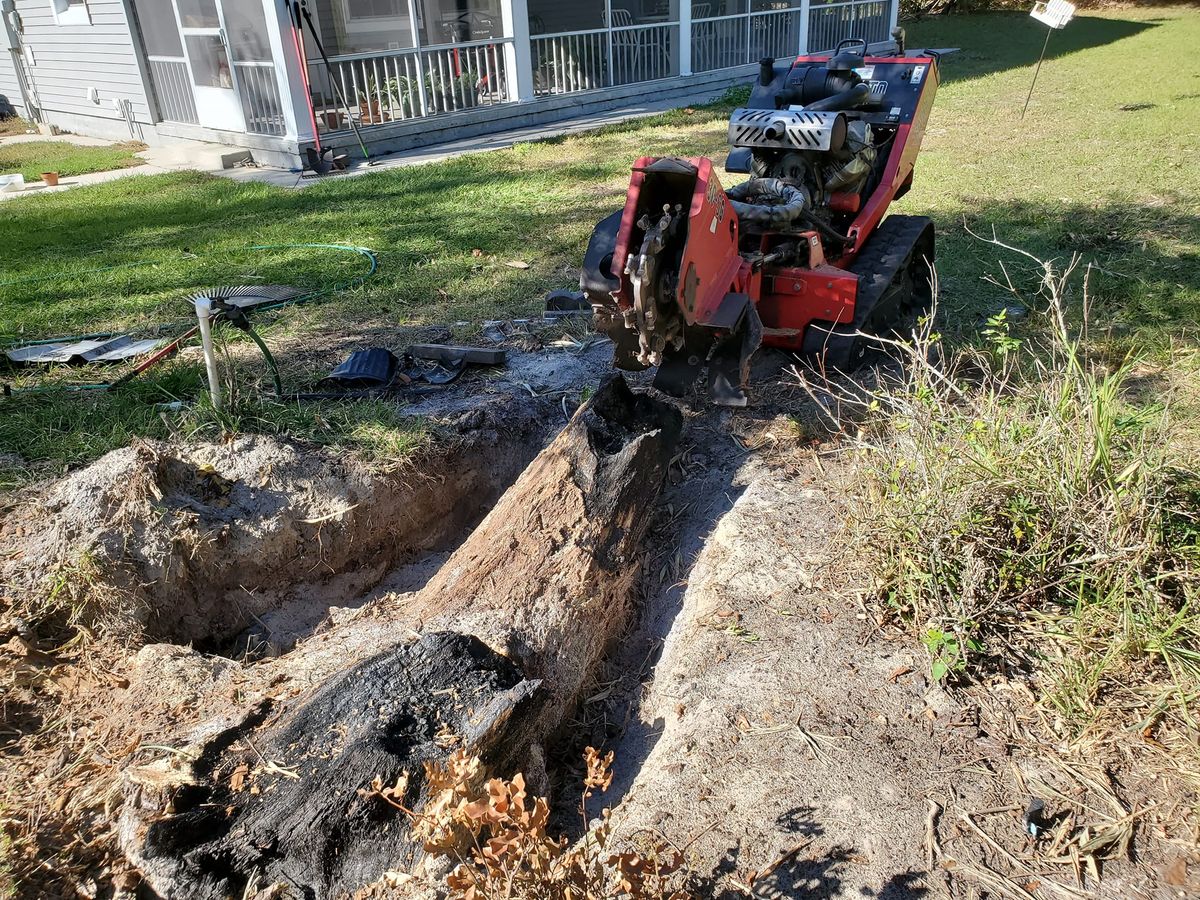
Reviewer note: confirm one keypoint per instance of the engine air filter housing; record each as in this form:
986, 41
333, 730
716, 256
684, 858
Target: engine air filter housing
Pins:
786, 129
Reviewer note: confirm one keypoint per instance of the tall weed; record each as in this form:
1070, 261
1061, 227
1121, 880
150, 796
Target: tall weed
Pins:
1021, 507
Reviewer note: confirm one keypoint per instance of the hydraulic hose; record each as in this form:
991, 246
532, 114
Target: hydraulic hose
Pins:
825, 229
767, 203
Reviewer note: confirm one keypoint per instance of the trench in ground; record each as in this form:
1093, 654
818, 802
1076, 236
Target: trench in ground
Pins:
385, 535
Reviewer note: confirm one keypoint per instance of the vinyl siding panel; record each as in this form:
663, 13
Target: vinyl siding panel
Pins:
8, 81
69, 59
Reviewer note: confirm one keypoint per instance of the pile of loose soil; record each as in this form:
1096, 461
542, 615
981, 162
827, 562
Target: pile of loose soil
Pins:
193, 544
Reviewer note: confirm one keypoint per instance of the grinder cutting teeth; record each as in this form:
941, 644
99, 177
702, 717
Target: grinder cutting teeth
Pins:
801, 255
656, 326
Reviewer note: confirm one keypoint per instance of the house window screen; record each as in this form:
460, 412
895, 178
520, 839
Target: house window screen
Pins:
199, 14
160, 34
246, 29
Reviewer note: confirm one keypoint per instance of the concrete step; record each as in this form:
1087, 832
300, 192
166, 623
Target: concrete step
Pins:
196, 155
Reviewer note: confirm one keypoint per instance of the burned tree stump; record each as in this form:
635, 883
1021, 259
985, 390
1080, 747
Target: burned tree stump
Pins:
509, 629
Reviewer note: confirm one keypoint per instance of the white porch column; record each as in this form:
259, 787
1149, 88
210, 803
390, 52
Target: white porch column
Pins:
518, 55
805, 15
288, 76
895, 15
685, 37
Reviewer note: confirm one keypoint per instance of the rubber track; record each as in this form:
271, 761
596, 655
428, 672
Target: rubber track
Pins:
886, 253
883, 257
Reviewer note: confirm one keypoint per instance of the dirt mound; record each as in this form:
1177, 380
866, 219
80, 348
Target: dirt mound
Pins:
193, 544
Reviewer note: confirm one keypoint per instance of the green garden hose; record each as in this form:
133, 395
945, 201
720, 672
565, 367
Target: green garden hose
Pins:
270, 360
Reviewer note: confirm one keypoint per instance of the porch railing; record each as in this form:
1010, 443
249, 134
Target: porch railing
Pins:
259, 91
719, 42
572, 61
723, 42
775, 33
829, 23
173, 88
644, 52
397, 85
569, 61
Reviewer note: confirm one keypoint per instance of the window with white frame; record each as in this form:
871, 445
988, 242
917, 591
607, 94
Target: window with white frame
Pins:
71, 12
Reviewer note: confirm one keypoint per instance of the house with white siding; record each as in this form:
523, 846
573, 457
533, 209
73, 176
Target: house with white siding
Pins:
408, 73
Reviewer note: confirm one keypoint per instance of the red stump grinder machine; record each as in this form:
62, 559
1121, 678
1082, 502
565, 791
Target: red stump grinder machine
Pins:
800, 256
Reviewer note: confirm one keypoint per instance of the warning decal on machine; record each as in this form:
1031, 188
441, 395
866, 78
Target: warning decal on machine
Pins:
918, 74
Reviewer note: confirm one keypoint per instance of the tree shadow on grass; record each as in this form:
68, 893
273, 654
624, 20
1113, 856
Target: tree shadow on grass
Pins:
1014, 41
1144, 280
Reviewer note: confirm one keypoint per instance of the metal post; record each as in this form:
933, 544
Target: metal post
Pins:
1036, 70
805, 14
608, 36
748, 58
418, 57
685, 37
518, 53
204, 320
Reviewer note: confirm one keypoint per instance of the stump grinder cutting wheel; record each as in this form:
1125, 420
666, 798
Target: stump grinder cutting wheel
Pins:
800, 256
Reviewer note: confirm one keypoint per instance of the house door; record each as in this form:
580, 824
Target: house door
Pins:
214, 79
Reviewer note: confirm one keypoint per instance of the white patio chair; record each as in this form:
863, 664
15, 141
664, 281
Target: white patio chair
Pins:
627, 48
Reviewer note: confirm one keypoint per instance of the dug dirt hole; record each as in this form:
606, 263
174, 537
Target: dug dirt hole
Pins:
246, 547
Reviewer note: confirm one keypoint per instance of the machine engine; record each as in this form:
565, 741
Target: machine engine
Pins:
799, 256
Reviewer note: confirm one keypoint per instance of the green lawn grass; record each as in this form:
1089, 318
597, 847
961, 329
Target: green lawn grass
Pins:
32, 158
1080, 172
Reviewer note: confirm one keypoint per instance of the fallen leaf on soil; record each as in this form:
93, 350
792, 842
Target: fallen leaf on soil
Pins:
741, 722
517, 264
237, 781
1177, 872
899, 671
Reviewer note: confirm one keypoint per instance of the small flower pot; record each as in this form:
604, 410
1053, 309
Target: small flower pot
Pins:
50, 178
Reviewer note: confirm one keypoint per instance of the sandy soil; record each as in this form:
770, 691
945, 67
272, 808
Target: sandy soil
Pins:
763, 720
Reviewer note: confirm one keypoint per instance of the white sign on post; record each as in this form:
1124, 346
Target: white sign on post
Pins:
1056, 13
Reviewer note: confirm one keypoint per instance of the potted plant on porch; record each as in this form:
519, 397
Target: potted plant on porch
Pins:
443, 92
370, 110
